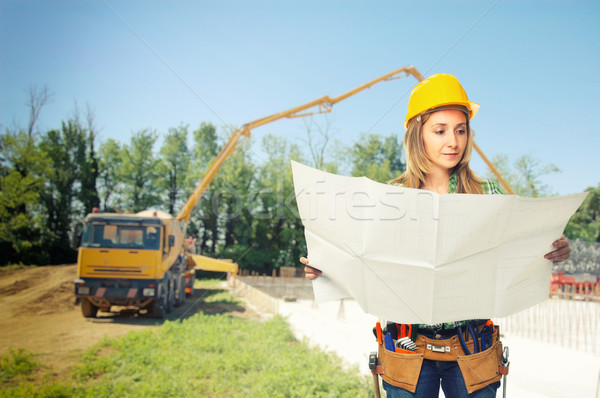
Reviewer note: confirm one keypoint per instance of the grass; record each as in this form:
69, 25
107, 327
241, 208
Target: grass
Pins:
214, 355
17, 363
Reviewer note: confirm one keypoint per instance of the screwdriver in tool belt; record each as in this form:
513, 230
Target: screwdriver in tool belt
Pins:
389, 342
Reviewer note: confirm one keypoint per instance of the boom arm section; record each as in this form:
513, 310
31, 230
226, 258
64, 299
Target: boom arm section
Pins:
212, 264
324, 105
186, 210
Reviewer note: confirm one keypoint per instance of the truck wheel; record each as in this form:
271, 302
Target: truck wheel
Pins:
169, 297
157, 309
180, 291
88, 309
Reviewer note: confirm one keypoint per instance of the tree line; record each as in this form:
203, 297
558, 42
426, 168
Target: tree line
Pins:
50, 180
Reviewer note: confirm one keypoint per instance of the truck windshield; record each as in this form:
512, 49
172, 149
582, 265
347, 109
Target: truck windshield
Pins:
121, 236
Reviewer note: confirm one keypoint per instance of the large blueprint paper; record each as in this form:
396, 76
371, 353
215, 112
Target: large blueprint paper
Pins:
414, 256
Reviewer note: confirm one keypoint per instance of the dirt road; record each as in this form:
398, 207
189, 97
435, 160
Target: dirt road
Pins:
38, 313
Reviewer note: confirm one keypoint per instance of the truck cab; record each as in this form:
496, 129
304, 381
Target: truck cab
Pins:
132, 260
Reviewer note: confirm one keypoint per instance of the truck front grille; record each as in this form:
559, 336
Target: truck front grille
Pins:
106, 270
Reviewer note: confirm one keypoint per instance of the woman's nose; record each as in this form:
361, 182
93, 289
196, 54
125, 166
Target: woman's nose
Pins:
452, 141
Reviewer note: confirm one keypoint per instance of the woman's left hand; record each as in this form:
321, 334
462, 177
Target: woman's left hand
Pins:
562, 252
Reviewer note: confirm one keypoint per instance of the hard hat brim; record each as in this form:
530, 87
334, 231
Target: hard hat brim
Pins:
473, 108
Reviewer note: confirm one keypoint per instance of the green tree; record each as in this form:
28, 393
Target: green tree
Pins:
206, 145
221, 218
318, 140
174, 166
22, 238
378, 158
203, 221
278, 232
585, 223
232, 200
140, 171
21, 235
62, 150
524, 176
88, 167
109, 173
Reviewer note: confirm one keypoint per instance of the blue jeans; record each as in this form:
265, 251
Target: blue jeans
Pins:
428, 386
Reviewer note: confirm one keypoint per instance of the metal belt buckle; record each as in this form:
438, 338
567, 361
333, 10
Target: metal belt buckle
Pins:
438, 348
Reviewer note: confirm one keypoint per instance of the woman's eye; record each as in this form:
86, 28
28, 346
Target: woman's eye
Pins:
461, 131
438, 132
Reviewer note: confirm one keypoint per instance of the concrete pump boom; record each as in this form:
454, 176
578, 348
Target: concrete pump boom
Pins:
324, 105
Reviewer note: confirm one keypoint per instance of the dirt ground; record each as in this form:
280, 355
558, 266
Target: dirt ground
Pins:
38, 313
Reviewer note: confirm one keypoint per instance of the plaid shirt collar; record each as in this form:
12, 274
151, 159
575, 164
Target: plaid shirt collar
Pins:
452, 184
488, 187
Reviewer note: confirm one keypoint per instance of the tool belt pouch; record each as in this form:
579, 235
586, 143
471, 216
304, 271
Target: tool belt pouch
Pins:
481, 369
400, 370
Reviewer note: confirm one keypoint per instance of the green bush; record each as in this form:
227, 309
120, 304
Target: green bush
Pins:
17, 362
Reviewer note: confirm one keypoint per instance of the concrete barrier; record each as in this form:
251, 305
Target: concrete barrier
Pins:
262, 301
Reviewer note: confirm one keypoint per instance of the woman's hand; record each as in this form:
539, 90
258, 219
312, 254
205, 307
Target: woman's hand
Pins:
562, 252
310, 272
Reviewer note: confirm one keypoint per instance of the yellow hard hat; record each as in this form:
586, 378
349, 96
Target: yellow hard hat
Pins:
438, 90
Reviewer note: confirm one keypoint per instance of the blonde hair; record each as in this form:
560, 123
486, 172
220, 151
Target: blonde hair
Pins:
418, 164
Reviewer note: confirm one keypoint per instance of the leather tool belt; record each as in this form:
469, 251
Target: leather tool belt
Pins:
478, 369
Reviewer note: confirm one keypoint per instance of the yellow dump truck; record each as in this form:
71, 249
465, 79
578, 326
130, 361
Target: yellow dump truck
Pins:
140, 261
133, 260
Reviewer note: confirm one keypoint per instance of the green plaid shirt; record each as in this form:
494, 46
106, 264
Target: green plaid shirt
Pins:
489, 188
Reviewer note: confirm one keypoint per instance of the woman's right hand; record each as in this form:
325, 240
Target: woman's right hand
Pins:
309, 272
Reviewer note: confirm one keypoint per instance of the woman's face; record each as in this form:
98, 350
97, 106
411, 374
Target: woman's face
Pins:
445, 138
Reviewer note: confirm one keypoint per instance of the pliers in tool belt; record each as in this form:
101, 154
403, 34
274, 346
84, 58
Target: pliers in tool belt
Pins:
462, 340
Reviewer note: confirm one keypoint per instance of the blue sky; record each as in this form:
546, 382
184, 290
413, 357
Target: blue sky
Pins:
532, 65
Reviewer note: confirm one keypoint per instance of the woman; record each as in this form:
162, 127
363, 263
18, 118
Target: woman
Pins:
438, 144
